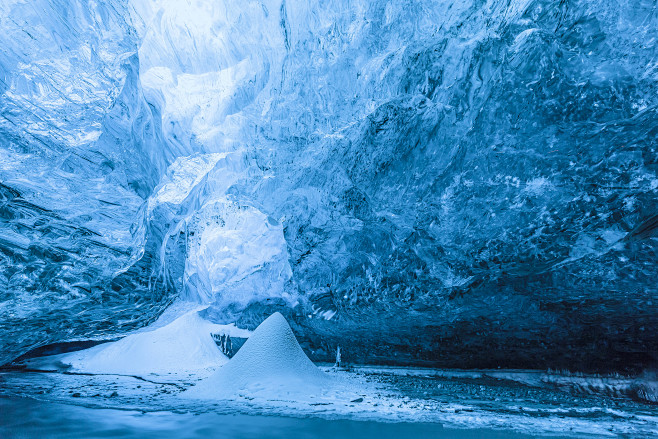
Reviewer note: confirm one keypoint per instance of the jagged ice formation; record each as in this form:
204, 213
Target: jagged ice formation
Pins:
429, 182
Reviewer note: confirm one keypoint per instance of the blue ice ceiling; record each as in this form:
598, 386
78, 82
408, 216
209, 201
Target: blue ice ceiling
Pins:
468, 183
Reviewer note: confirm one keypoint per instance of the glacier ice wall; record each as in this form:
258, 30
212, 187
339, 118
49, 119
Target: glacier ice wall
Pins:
450, 183
80, 151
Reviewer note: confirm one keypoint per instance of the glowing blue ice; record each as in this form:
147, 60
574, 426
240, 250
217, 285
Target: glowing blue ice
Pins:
466, 183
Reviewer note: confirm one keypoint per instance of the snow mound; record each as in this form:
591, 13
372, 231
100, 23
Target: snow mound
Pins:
271, 362
184, 345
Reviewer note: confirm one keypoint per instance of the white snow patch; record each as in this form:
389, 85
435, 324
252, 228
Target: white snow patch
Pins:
270, 364
184, 345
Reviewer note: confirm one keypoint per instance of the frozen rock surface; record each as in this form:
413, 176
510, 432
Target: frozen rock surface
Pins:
271, 362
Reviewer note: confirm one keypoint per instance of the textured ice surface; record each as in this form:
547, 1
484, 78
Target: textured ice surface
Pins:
270, 363
80, 150
431, 182
225, 250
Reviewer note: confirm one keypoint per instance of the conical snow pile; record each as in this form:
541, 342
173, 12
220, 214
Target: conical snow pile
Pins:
271, 362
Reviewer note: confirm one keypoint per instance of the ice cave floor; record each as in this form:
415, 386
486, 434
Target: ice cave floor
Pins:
381, 402
395, 403
269, 388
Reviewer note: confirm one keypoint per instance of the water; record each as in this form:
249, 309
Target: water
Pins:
29, 418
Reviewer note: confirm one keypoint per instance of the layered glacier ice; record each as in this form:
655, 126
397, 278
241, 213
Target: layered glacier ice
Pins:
78, 156
429, 182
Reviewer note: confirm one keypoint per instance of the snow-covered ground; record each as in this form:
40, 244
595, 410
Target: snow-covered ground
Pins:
180, 346
462, 403
172, 368
271, 365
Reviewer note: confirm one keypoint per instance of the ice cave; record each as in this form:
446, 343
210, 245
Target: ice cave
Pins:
328, 218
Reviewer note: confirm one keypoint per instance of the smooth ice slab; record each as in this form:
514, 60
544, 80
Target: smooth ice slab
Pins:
271, 362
